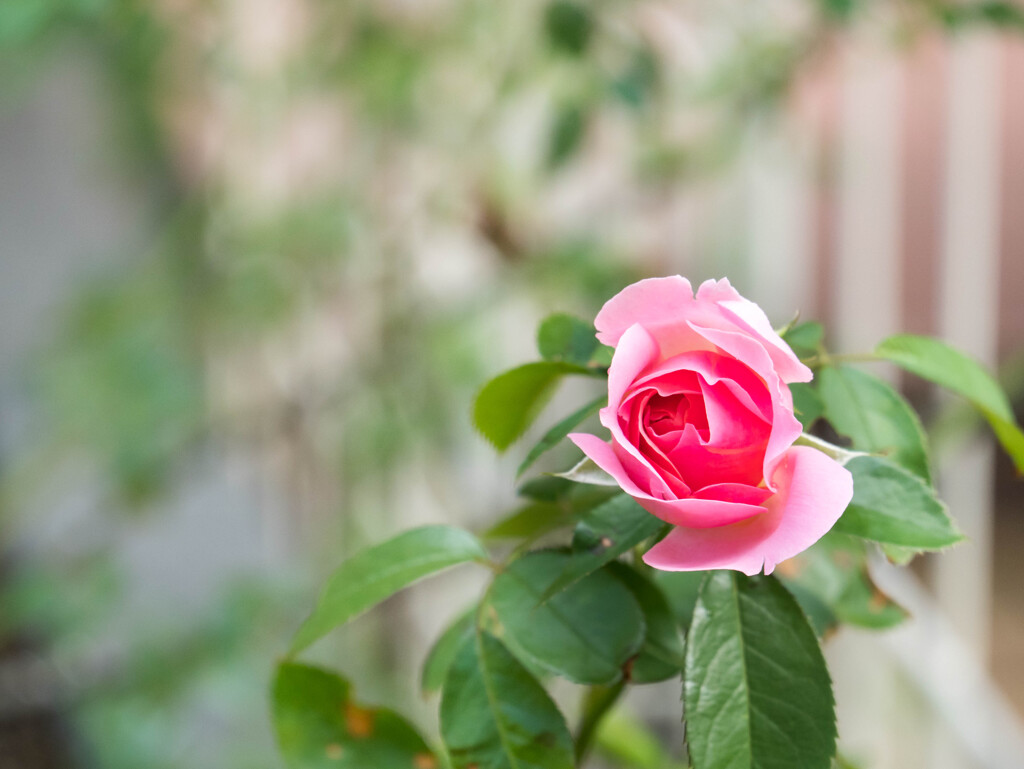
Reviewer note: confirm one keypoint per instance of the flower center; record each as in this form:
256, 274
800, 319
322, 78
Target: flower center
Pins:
671, 413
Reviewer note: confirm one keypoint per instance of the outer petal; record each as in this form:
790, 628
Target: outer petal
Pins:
691, 512
637, 350
604, 457
650, 302
813, 491
750, 318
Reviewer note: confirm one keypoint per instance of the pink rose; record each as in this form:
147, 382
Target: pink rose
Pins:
702, 429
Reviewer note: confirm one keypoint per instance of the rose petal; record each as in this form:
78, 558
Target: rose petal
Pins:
748, 317
786, 428
701, 514
735, 492
654, 300
813, 491
605, 457
636, 351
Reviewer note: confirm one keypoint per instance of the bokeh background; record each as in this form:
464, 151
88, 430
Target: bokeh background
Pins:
256, 256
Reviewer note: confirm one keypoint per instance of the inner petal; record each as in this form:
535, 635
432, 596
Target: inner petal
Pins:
672, 413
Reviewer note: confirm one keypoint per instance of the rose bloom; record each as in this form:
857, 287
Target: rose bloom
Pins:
702, 429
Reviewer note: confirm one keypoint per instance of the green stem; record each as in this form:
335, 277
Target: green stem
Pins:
596, 704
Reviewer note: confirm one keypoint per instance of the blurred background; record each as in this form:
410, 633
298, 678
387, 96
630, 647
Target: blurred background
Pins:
256, 256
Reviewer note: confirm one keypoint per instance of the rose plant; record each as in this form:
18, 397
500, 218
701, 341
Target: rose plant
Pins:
715, 538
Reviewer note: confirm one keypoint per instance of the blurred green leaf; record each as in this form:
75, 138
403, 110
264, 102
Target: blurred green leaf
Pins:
530, 520
494, 714
757, 692
382, 570
835, 572
318, 724
874, 416
662, 654
807, 403
893, 506
442, 653
567, 132
805, 338
508, 404
585, 633
939, 363
569, 26
550, 509
568, 338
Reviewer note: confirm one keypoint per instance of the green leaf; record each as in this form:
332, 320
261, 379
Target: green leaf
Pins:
546, 488
874, 416
662, 654
834, 573
937, 362
605, 533
805, 339
380, 571
557, 433
508, 404
494, 714
553, 508
585, 633
568, 338
530, 520
318, 725
442, 653
894, 506
587, 472
757, 694
806, 403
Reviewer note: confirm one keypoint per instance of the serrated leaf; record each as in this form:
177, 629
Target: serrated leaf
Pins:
661, 656
557, 433
939, 363
380, 571
319, 725
508, 404
494, 714
805, 338
874, 416
585, 633
442, 653
566, 338
602, 535
807, 404
894, 506
757, 694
